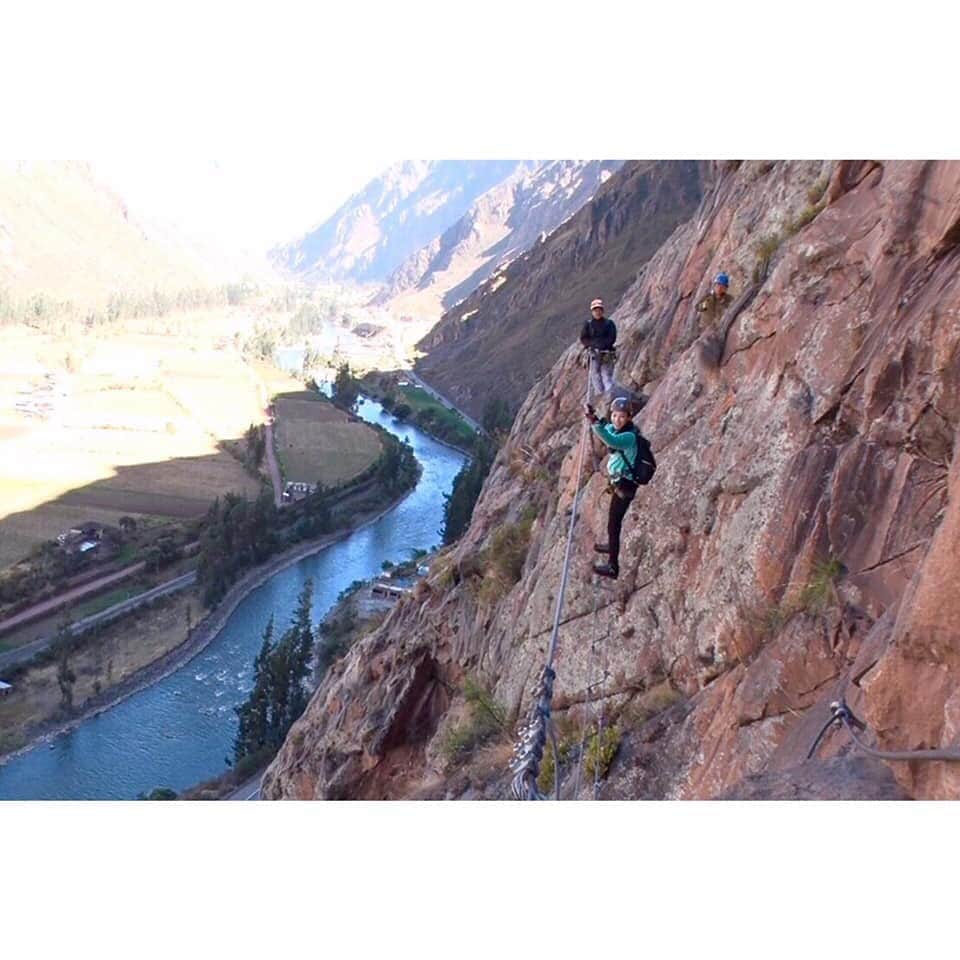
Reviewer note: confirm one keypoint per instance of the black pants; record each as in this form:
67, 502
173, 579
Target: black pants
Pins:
619, 503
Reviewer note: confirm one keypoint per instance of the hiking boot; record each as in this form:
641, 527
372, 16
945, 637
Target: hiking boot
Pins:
605, 570
601, 548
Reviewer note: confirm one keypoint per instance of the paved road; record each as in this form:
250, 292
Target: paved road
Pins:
52, 605
447, 403
29, 650
247, 791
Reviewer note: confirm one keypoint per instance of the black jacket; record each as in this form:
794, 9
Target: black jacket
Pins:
600, 335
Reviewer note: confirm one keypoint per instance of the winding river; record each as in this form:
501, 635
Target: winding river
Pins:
180, 730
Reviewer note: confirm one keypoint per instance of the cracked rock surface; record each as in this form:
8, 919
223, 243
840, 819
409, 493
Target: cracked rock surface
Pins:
800, 540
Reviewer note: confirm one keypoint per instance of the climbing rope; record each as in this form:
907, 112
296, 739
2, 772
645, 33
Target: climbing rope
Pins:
842, 715
532, 737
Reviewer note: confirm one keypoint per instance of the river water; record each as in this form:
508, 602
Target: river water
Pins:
180, 731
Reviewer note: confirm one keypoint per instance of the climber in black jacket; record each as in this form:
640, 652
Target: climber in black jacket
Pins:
599, 338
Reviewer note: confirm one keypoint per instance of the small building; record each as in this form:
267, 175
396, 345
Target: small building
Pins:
294, 490
5, 688
388, 591
81, 539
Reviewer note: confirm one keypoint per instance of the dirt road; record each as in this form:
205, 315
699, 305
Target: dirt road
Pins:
61, 600
272, 465
22, 654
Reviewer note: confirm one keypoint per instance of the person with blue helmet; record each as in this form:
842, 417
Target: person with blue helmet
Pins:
711, 309
717, 300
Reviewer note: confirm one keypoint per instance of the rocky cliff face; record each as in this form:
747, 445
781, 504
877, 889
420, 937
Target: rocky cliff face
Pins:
502, 223
799, 542
391, 218
511, 330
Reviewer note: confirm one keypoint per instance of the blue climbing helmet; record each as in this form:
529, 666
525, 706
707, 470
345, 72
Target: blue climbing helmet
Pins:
722, 279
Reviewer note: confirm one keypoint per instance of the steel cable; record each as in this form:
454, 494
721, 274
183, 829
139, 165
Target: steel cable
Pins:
532, 737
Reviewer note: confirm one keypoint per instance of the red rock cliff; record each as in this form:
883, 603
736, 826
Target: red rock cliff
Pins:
800, 540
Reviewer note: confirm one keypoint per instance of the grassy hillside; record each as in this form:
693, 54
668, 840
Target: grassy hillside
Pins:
66, 237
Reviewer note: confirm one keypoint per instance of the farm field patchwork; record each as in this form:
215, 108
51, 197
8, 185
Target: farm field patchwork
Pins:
317, 443
132, 424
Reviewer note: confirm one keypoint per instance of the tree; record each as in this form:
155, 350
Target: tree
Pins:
279, 695
458, 508
254, 711
346, 388
255, 440
497, 418
62, 648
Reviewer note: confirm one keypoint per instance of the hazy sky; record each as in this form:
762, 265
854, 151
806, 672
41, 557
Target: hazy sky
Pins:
242, 202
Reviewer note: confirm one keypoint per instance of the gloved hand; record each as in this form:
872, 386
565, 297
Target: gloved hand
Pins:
590, 413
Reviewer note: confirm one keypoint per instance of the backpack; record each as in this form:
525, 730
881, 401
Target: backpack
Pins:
642, 471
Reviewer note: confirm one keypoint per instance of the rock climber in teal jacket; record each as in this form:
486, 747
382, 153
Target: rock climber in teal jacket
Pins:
631, 464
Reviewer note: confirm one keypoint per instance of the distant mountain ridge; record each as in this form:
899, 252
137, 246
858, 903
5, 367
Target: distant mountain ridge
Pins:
395, 215
500, 225
509, 332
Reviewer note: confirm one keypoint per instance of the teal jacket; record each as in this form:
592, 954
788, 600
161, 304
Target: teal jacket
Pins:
623, 443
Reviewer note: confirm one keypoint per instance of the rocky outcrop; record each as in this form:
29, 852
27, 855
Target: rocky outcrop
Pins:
395, 215
799, 543
510, 331
502, 223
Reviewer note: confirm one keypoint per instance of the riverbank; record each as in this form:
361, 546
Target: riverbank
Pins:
205, 631
403, 396
353, 616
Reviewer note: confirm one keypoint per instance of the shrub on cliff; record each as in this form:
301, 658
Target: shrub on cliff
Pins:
484, 719
601, 749
159, 793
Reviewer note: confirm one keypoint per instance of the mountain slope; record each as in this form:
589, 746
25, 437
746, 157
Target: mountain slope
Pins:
502, 223
799, 543
65, 235
511, 330
395, 215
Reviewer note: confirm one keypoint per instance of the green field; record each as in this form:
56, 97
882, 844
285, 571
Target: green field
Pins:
317, 443
426, 408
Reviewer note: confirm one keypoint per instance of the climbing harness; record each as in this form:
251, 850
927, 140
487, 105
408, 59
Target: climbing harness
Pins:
842, 715
532, 737
603, 357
